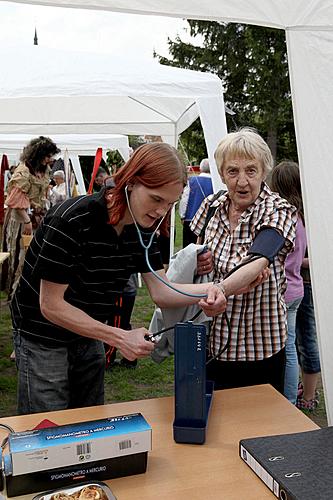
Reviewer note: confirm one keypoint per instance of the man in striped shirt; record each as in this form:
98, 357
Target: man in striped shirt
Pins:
77, 265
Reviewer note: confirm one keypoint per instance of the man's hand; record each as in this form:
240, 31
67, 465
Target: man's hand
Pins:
215, 303
204, 263
133, 344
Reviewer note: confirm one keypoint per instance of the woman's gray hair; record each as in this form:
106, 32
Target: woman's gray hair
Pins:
59, 173
245, 143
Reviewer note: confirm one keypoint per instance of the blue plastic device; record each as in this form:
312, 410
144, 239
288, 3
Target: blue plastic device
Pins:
193, 394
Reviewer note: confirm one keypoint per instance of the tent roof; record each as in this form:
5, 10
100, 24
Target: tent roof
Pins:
70, 92
81, 144
275, 13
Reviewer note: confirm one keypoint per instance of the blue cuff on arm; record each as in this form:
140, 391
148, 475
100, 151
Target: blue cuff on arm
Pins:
267, 243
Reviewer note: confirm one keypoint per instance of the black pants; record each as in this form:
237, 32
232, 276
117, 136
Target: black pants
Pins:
124, 323
230, 374
188, 235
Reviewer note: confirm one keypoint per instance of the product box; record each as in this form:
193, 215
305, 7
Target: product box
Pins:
57, 456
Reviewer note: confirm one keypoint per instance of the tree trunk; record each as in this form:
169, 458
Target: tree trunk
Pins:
272, 139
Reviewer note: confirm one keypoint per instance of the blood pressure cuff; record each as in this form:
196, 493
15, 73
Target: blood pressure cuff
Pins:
267, 243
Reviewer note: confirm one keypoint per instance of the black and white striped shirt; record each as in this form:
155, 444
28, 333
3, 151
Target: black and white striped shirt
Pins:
75, 245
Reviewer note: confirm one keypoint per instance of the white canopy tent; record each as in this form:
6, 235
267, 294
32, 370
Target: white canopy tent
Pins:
309, 32
76, 144
65, 92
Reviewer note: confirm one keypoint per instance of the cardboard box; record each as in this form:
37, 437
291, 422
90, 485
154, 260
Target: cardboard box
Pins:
70, 476
42, 449
99, 449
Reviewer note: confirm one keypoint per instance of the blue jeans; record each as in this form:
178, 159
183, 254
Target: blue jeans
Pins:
291, 374
58, 377
306, 334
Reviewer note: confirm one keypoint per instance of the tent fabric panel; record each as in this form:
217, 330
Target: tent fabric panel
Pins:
78, 173
311, 72
86, 128
77, 109
48, 72
276, 13
213, 109
80, 143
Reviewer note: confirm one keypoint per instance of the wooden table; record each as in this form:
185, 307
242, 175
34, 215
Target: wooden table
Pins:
194, 472
3, 256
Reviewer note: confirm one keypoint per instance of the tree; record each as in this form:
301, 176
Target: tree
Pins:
252, 64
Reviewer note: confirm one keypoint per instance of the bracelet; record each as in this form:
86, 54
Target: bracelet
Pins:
29, 222
220, 285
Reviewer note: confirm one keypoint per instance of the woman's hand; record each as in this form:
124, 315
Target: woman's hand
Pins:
215, 303
204, 263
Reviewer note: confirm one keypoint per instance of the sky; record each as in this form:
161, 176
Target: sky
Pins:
87, 30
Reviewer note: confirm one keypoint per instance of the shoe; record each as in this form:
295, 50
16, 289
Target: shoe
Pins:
126, 363
310, 405
300, 391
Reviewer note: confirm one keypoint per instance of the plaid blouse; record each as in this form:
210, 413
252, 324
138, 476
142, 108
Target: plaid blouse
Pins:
257, 318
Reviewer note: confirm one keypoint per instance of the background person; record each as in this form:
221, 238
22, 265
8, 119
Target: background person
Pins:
58, 192
26, 196
78, 263
285, 180
126, 305
307, 345
249, 219
99, 179
197, 188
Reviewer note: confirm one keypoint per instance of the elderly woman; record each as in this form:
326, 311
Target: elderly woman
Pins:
249, 220
58, 192
26, 194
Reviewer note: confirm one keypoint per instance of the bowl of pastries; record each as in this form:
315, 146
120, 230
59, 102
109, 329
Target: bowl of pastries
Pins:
83, 491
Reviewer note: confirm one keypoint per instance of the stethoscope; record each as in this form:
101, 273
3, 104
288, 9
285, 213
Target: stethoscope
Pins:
146, 249
156, 336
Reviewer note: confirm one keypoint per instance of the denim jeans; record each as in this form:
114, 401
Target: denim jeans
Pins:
291, 373
59, 376
306, 334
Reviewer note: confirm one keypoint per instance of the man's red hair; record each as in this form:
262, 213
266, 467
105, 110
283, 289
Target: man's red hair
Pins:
152, 165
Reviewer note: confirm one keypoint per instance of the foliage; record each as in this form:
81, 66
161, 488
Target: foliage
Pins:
114, 161
252, 64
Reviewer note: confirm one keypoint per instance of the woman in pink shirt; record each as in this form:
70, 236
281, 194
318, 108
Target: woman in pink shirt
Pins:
285, 180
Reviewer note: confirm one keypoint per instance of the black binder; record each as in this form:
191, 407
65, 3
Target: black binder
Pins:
294, 466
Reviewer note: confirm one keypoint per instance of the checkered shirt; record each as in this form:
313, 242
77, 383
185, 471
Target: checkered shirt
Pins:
258, 318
